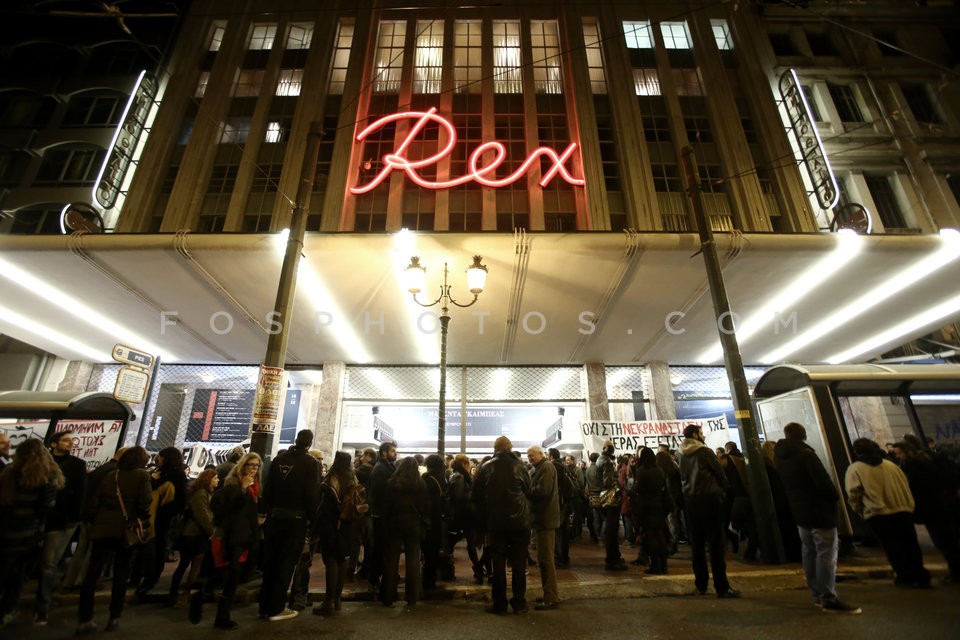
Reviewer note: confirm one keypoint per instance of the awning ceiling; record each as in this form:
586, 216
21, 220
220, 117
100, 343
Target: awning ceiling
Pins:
863, 379
177, 295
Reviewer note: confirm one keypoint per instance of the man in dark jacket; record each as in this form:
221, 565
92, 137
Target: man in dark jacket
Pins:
62, 520
545, 518
813, 501
501, 492
377, 498
610, 481
704, 492
290, 500
565, 493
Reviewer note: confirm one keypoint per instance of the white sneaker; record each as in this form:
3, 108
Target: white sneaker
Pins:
286, 614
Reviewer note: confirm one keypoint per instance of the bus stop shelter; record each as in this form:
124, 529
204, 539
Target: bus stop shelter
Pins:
97, 420
920, 399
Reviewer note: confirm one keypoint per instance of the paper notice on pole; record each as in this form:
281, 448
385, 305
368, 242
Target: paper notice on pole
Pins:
266, 404
131, 386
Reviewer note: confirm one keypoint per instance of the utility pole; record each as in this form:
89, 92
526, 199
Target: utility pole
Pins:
263, 432
771, 546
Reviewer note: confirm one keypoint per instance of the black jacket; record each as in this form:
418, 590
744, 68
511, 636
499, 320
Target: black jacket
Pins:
810, 491
104, 511
293, 486
501, 492
377, 494
68, 509
702, 475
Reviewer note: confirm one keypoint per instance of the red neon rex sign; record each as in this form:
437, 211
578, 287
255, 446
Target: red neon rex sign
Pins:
476, 173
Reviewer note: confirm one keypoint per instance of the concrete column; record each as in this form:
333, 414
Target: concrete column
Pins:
598, 408
326, 426
661, 392
76, 377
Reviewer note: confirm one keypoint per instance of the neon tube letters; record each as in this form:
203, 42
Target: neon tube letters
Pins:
482, 174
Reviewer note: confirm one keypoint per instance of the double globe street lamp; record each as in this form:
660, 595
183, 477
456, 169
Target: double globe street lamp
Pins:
415, 276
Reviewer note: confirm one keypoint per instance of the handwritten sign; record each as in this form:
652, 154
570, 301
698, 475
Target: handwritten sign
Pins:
94, 441
627, 437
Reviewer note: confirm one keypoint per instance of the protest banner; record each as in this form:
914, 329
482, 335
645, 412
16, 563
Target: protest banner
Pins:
94, 441
627, 437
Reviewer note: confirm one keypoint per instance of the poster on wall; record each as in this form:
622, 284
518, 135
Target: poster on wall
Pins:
166, 417
20, 432
627, 437
220, 415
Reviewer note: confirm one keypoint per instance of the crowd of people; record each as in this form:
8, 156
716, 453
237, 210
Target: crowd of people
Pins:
234, 523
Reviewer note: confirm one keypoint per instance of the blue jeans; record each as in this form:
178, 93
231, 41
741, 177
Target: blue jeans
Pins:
54, 546
820, 562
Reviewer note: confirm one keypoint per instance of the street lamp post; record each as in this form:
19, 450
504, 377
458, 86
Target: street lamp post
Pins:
415, 279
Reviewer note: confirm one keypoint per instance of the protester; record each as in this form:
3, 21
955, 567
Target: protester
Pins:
434, 535
28, 490
236, 531
704, 493
5, 458
812, 497
610, 508
652, 503
879, 493
463, 513
407, 506
334, 529
545, 519
565, 493
195, 535
501, 493
289, 500
122, 498
168, 501
379, 504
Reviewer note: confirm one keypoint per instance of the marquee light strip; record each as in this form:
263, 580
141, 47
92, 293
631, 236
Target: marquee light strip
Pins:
478, 172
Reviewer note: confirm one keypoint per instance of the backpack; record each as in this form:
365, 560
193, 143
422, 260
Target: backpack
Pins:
354, 505
565, 487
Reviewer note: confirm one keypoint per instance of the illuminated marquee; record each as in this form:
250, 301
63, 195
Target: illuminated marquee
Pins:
482, 174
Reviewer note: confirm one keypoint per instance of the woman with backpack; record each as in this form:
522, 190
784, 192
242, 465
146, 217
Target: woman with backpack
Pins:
341, 506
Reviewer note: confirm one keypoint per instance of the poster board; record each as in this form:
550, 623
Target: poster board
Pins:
627, 437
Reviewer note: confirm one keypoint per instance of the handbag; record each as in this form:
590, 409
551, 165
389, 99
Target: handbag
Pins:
610, 497
136, 531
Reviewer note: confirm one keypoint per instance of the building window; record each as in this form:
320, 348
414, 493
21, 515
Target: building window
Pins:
290, 82
70, 166
274, 133
675, 35
341, 58
25, 110
217, 29
467, 49
888, 208
638, 35
546, 56
646, 82
887, 41
428, 57
94, 111
845, 100
248, 83
389, 60
591, 39
261, 36
202, 84
686, 82
721, 34
39, 220
922, 107
506, 57
783, 44
666, 177
953, 181
235, 130
300, 36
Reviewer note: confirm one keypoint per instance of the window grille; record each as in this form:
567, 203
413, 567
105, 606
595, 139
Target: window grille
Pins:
290, 82
646, 82
506, 57
467, 51
591, 38
389, 59
638, 35
546, 56
248, 83
262, 36
428, 57
341, 58
675, 35
721, 34
845, 100
300, 35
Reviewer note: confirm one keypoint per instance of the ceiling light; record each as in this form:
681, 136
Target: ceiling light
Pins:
44, 332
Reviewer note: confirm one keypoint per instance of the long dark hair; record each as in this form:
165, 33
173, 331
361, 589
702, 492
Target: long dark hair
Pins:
341, 469
407, 474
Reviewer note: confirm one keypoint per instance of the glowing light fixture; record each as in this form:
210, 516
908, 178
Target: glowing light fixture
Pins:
46, 333
848, 247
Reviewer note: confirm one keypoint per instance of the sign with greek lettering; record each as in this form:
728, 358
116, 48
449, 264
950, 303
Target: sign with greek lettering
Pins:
94, 441
627, 437
266, 404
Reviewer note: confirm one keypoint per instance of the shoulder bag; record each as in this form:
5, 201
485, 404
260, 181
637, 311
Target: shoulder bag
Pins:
135, 531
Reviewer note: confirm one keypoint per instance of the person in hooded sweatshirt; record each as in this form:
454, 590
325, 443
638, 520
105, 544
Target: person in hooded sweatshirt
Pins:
878, 491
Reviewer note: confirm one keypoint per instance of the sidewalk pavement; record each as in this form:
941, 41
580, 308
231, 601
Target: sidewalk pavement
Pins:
586, 577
